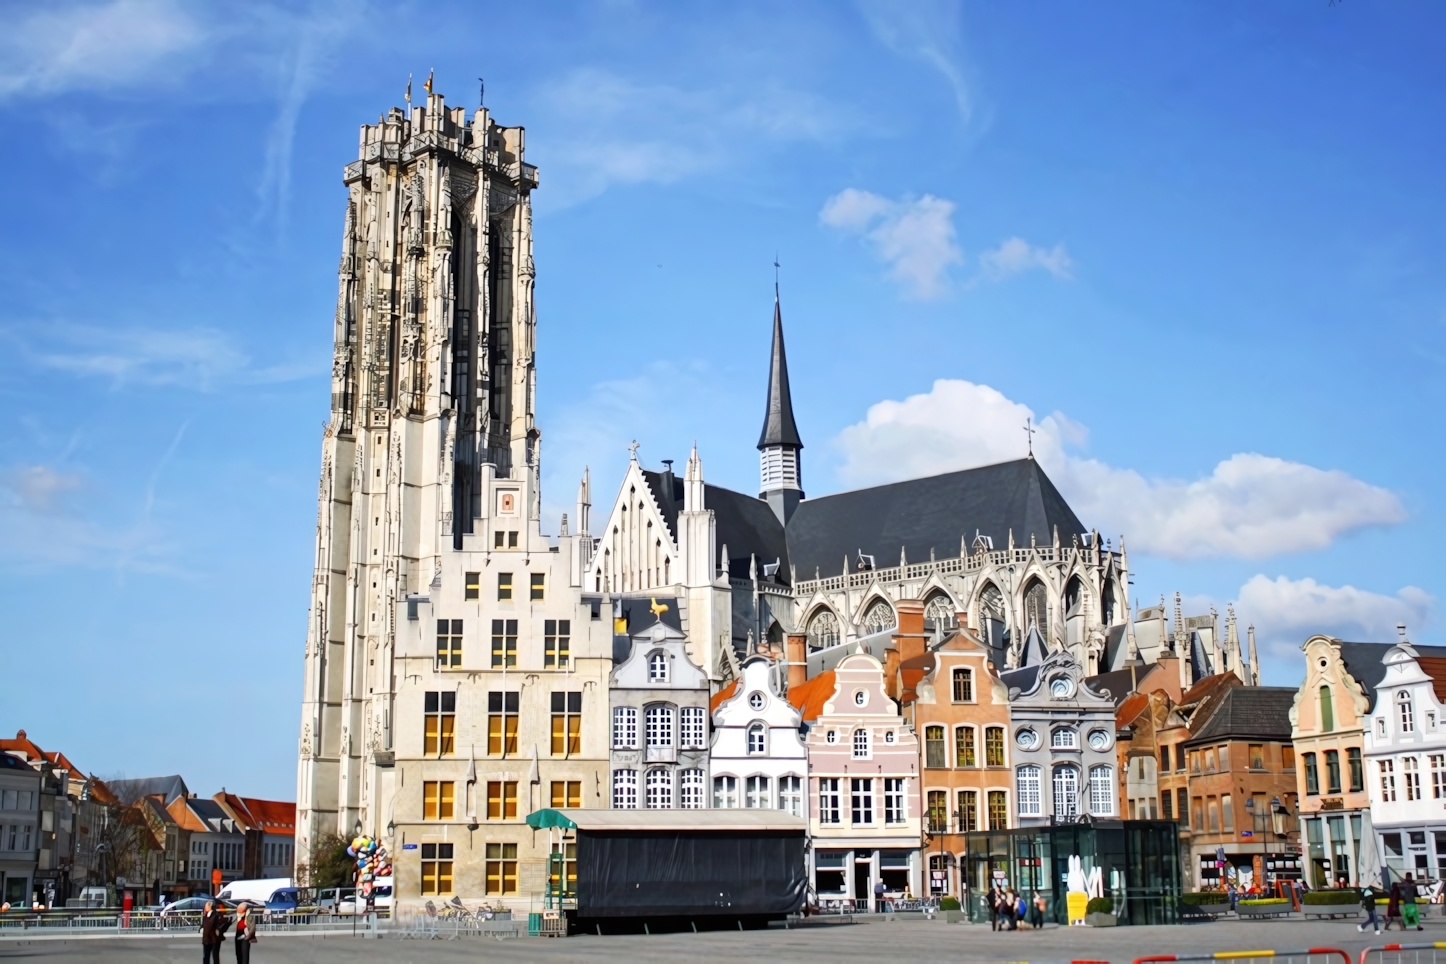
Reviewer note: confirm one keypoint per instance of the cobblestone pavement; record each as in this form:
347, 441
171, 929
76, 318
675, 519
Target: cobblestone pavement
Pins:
873, 941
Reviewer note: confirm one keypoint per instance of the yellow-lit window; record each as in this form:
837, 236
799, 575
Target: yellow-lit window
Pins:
556, 643
436, 869
566, 723
537, 585
437, 798
994, 746
502, 722
449, 643
440, 729
964, 755
504, 585
502, 800
501, 869
568, 868
504, 643
473, 588
968, 811
998, 810
566, 793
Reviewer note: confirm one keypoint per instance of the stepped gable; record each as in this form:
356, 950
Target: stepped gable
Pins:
930, 513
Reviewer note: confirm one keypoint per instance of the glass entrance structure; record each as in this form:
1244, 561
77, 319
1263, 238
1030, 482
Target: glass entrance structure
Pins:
1139, 863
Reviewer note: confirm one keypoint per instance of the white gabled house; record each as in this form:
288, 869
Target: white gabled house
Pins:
1406, 763
758, 757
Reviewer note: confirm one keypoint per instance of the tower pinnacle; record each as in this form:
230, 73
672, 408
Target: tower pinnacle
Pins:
779, 443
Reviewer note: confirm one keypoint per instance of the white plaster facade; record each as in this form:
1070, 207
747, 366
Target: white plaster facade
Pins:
758, 755
1405, 749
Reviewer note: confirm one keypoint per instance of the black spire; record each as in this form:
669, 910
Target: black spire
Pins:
778, 426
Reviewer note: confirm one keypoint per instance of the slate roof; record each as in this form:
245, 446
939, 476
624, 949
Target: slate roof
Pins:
1247, 712
1118, 683
1363, 661
778, 426
638, 611
170, 788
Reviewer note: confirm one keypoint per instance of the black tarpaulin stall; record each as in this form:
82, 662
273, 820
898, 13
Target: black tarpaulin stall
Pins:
744, 865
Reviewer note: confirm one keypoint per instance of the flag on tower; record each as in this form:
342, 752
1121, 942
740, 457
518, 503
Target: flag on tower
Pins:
408, 94
428, 85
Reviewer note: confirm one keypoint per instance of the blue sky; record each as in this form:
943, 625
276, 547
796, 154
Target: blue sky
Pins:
1199, 243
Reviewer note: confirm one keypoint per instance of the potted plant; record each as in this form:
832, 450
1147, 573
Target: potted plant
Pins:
1100, 912
1263, 907
952, 912
1344, 902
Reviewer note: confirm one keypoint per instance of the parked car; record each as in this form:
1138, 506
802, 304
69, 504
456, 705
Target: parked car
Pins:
288, 900
195, 906
356, 904
330, 897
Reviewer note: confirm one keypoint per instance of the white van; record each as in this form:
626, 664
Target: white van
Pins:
259, 891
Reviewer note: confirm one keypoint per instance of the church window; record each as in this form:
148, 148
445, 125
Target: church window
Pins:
823, 630
537, 585
690, 789
473, 586
964, 750
1066, 791
658, 787
757, 740
566, 723
828, 802
449, 643
861, 742
691, 730
998, 810
790, 794
504, 643
758, 793
1102, 791
991, 613
658, 721
1405, 711
1327, 710
963, 684
658, 668
502, 722
725, 792
1027, 791
1036, 608
625, 789
441, 722
939, 612
625, 727
557, 639
504, 586
994, 746
879, 617
934, 746
862, 800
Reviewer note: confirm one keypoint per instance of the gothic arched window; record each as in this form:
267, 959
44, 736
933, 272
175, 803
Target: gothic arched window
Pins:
823, 630
879, 617
1036, 608
940, 611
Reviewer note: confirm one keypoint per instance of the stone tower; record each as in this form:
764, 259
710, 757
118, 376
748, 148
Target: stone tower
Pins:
429, 504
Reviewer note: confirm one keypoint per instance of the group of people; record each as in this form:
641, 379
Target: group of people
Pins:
1007, 907
1400, 906
214, 924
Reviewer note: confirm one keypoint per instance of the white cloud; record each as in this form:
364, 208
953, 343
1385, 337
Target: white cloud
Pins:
1017, 256
50, 48
928, 31
1286, 611
915, 237
40, 487
1250, 506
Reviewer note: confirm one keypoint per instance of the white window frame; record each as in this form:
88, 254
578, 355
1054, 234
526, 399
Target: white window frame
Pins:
861, 743
1411, 774
861, 801
658, 788
1405, 712
1028, 794
758, 792
658, 725
757, 739
658, 667
1066, 802
725, 792
625, 789
790, 794
692, 733
1064, 738
690, 789
1387, 770
1102, 790
828, 801
893, 800
625, 727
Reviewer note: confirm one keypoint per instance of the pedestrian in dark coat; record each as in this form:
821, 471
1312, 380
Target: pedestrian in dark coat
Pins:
245, 934
213, 932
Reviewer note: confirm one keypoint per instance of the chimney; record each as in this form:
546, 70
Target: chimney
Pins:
910, 638
796, 650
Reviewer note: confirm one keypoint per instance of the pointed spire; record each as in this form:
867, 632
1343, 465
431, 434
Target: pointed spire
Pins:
778, 424
1254, 659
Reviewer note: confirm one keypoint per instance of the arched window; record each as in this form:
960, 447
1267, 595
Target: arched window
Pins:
1027, 779
939, 612
1073, 596
991, 614
1036, 608
861, 742
1066, 791
1064, 738
790, 794
1102, 791
823, 630
879, 617
658, 668
659, 789
757, 793
690, 789
725, 792
934, 747
1327, 710
1107, 604
963, 684
658, 723
625, 789
757, 739
625, 727
1405, 711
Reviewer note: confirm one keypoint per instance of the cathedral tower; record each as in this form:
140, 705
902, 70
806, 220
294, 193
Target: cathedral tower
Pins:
779, 445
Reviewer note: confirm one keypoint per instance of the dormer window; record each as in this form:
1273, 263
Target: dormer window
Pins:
1063, 738
1405, 711
658, 668
757, 740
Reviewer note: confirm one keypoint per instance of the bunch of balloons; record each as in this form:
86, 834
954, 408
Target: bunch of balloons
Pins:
372, 861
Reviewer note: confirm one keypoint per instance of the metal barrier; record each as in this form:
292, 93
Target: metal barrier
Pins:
1286, 956
1401, 953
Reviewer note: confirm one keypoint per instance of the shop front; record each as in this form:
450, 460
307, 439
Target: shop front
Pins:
1139, 862
847, 876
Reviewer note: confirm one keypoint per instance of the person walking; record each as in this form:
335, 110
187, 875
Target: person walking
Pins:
1410, 913
213, 933
245, 933
1393, 907
1368, 904
1036, 911
992, 898
879, 897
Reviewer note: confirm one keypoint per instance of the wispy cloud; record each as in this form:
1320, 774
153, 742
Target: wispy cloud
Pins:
930, 32
1016, 256
1250, 506
1286, 611
914, 237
